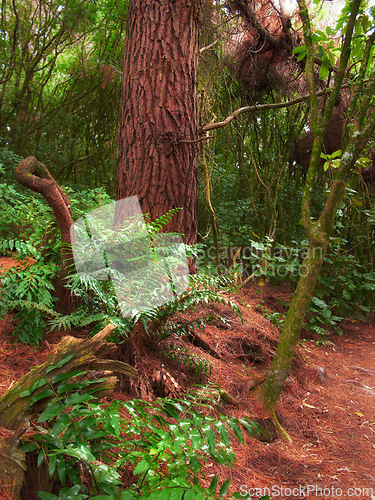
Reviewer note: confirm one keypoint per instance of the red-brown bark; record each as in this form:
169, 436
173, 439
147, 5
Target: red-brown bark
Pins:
158, 111
35, 176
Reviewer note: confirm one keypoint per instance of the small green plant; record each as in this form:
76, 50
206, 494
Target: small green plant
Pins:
345, 288
22, 248
192, 360
28, 229
274, 261
322, 317
276, 318
166, 444
28, 292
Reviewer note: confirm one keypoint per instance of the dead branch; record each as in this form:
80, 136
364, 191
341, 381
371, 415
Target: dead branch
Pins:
258, 107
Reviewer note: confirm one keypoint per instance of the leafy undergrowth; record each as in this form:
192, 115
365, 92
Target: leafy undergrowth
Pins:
327, 405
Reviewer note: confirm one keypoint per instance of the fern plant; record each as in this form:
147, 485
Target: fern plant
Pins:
103, 271
28, 230
99, 304
192, 360
28, 292
180, 328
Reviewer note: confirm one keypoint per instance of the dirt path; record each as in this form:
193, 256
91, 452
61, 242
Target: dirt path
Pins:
331, 419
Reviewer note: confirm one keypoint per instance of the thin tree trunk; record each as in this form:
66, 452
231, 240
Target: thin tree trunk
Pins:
280, 366
158, 111
35, 176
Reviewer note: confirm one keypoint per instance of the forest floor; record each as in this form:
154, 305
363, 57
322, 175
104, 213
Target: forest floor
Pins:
327, 405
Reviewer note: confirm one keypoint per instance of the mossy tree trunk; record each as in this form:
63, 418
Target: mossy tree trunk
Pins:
360, 126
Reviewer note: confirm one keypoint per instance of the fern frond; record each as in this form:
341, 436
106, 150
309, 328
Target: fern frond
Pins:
77, 318
192, 360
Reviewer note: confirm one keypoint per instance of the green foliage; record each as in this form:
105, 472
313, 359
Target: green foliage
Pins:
28, 226
345, 290
165, 443
99, 304
331, 161
256, 183
180, 328
29, 230
84, 200
28, 292
326, 50
275, 317
345, 286
68, 90
157, 225
322, 317
22, 248
265, 258
182, 354
75, 436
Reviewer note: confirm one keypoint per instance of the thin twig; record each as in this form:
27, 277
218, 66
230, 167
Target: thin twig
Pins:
260, 107
208, 46
187, 141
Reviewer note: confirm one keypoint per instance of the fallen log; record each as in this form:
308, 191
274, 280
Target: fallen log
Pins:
28, 398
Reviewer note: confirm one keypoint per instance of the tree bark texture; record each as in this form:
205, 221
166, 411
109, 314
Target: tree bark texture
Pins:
158, 111
35, 176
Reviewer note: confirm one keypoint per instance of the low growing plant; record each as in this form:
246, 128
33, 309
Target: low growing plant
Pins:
165, 444
28, 292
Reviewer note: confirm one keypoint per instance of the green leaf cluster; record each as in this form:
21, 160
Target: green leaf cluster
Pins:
165, 443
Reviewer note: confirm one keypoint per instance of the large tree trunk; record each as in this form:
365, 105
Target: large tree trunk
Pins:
158, 111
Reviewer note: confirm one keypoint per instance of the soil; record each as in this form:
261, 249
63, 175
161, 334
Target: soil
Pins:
327, 405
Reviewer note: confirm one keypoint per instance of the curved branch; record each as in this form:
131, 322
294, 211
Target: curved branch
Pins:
35, 176
259, 107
